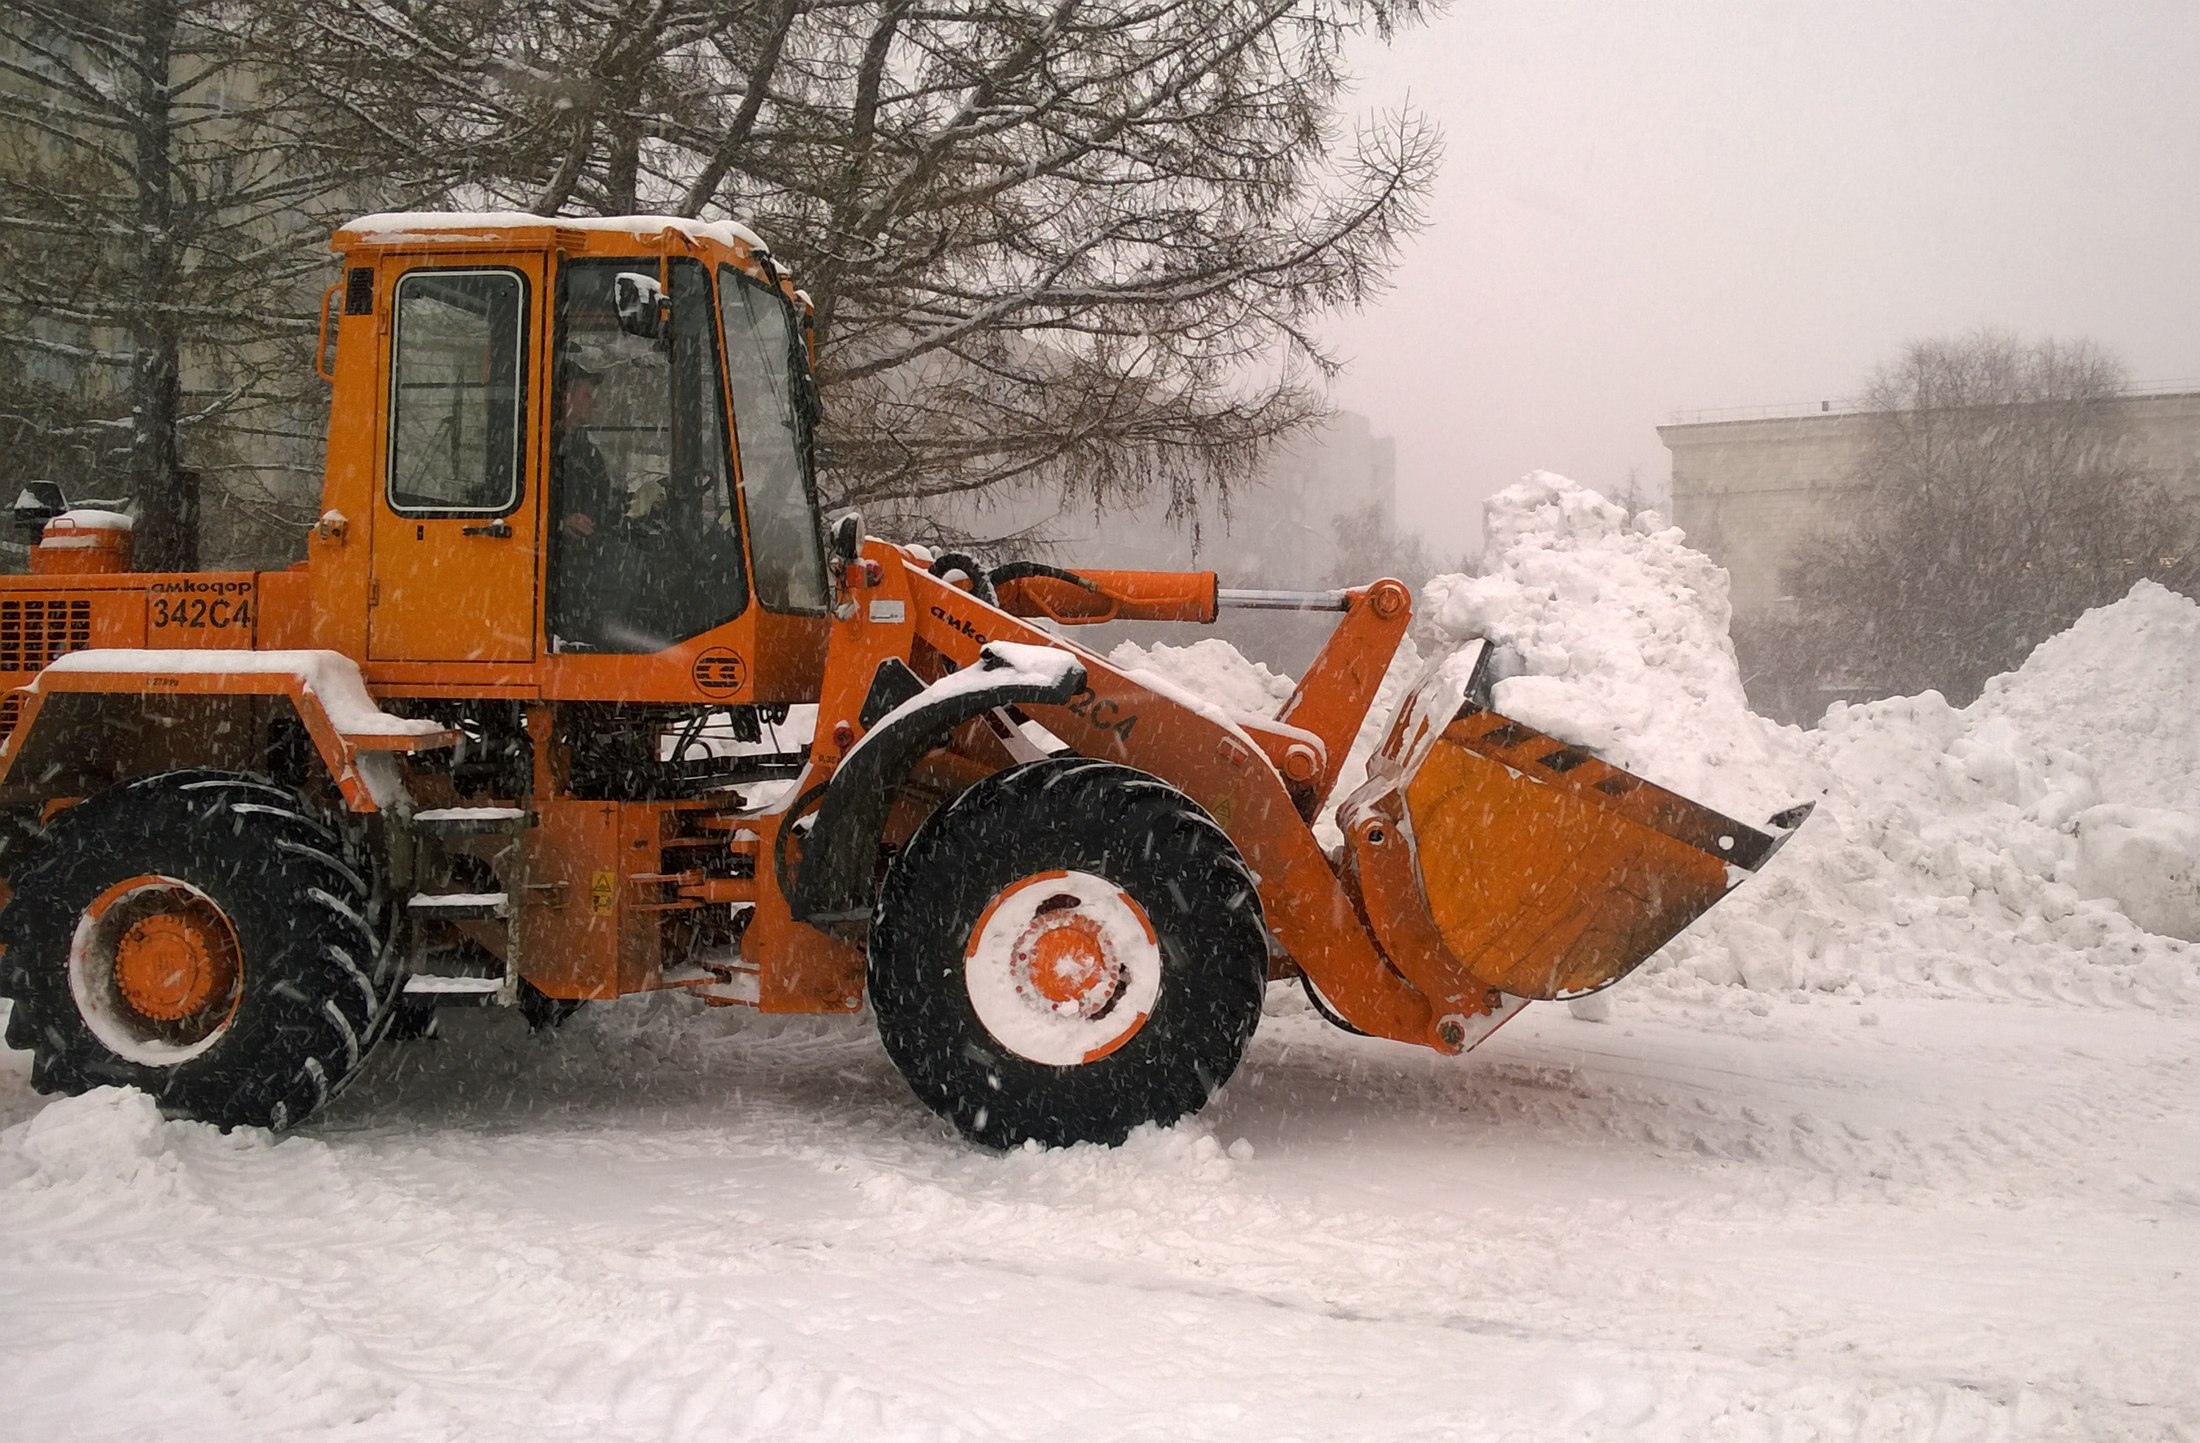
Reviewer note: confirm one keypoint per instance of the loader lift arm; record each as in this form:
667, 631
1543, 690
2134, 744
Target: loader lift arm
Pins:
1143, 722
1555, 884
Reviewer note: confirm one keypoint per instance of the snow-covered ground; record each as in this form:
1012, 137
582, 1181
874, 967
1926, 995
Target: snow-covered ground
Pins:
1903, 1141
1742, 1217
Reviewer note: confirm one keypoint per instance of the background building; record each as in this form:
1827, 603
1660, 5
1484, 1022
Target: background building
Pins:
1750, 487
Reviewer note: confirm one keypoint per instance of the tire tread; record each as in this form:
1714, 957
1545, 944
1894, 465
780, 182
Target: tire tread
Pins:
1094, 815
310, 1014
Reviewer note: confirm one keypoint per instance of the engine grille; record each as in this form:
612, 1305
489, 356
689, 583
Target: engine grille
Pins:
33, 633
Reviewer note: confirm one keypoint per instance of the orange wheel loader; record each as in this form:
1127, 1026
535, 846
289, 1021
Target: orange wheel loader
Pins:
574, 697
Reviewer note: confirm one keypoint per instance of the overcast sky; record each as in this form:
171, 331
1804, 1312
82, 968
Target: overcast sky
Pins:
1676, 204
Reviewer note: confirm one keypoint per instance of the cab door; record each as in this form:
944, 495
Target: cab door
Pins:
455, 536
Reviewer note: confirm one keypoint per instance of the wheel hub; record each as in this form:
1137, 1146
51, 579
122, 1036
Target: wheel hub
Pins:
1063, 967
1062, 963
170, 965
156, 969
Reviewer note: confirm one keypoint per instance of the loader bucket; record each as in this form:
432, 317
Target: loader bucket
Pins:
1488, 855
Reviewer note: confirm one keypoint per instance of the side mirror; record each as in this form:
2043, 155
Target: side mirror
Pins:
38, 503
844, 535
643, 309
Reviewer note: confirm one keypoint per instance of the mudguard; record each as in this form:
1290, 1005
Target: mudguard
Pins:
840, 854
83, 701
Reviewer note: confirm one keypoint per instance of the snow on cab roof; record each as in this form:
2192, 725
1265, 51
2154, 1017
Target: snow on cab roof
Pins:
401, 226
92, 518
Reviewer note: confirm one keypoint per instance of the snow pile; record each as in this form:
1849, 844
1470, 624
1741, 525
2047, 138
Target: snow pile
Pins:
2121, 687
109, 1138
2147, 861
2014, 845
110, 1148
1211, 668
2042, 840
1618, 633
1217, 673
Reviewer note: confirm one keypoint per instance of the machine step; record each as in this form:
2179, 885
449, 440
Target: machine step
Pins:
474, 821
458, 906
427, 984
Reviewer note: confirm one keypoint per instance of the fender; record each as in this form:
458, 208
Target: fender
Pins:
348, 728
835, 880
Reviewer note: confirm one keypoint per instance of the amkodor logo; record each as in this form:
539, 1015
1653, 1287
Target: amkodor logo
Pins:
719, 672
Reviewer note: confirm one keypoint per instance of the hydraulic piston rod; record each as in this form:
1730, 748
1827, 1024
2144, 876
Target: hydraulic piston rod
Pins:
1242, 599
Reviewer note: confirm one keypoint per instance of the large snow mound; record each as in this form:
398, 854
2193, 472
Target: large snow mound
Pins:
2039, 841
2121, 688
1619, 632
2044, 841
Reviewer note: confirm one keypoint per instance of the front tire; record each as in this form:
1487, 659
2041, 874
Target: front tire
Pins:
199, 936
1068, 950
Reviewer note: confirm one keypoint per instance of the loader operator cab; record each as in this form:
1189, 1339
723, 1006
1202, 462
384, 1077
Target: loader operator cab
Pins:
645, 542
580, 443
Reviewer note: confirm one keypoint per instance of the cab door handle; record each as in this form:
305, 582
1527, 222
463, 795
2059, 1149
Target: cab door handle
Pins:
495, 528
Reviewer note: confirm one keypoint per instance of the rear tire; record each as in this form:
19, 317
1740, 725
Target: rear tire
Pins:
1066, 951
200, 936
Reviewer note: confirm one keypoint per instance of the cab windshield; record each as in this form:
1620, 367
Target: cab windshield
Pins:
768, 372
645, 539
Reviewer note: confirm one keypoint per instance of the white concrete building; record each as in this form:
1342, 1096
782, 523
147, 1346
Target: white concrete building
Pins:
1750, 488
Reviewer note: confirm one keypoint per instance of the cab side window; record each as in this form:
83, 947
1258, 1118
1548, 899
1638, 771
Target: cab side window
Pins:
457, 382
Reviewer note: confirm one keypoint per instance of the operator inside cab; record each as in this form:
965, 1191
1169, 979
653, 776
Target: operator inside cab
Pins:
646, 546
590, 500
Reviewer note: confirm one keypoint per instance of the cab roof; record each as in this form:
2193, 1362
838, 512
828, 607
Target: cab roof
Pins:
413, 230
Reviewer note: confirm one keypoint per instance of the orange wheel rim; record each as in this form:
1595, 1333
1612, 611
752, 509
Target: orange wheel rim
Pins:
156, 968
1062, 967
171, 965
